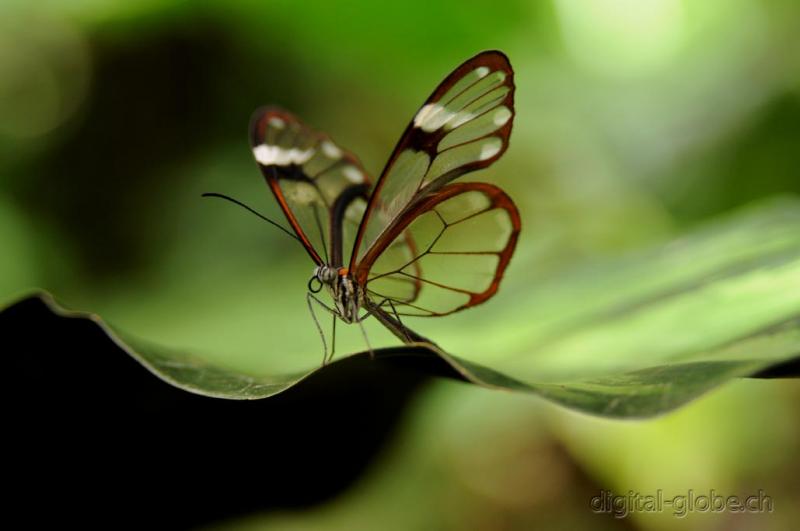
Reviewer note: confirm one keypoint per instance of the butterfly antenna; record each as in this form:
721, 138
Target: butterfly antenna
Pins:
237, 202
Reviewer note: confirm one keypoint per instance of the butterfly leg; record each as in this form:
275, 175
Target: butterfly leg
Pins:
333, 337
309, 299
400, 331
397, 316
360, 321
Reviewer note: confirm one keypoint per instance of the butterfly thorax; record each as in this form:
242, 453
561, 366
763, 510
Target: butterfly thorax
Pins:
347, 296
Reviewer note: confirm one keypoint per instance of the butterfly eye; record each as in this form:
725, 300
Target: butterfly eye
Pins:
314, 284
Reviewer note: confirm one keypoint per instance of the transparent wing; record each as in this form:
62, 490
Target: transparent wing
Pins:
320, 187
464, 237
463, 126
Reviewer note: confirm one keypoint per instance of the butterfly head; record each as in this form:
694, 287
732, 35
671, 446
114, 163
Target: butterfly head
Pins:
341, 287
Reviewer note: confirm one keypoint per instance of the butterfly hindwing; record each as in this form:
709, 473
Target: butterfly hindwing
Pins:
464, 237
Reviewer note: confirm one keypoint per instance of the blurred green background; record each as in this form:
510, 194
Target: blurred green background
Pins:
636, 120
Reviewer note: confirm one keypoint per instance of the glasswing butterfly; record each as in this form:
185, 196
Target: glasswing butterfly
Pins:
419, 245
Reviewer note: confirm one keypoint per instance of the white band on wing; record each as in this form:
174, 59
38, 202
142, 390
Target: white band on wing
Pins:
276, 155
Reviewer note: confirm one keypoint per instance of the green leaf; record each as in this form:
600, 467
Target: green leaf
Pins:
631, 337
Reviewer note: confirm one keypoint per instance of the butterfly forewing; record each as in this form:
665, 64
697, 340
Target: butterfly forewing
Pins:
463, 126
317, 183
464, 237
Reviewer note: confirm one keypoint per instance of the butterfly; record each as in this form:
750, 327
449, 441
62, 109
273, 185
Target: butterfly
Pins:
414, 243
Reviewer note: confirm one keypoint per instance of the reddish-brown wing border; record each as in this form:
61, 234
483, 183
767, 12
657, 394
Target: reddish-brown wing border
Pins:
417, 139
498, 199
258, 126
